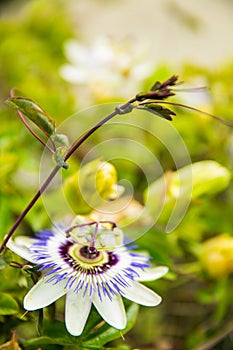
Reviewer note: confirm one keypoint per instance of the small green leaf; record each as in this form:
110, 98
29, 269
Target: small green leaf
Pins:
34, 112
158, 110
156, 86
8, 305
58, 157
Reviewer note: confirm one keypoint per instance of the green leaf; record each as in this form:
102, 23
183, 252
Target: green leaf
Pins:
34, 112
54, 333
47, 340
158, 110
8, 305
106, 334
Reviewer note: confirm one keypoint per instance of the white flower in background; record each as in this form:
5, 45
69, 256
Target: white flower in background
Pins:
108, 68
87, 274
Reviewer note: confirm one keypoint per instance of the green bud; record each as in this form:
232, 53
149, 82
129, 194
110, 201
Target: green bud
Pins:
208, 177
193, 181
34, 112
22, 103
58, 157
93, 184
61, 139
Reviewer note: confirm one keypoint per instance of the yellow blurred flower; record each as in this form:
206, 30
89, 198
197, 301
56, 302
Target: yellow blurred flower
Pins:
217, 255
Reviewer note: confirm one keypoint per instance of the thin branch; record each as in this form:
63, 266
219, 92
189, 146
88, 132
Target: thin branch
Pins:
29, 206
94, 128
223, 121
56, 169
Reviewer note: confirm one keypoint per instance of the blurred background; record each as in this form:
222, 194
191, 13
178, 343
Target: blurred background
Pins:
70, 56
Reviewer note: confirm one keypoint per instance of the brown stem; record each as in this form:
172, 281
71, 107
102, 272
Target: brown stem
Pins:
55, 170
29, 206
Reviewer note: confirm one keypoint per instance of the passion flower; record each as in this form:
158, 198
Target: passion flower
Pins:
87, 274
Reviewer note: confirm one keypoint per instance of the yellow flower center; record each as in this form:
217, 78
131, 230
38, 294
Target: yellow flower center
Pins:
88, 256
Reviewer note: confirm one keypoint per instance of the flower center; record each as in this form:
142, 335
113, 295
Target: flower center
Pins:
88, 255
87, 259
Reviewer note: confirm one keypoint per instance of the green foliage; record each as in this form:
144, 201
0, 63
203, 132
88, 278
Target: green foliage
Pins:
8, 306
197, 307
55, 333
31, 54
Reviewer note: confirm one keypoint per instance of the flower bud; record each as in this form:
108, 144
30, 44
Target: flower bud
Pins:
34, 112
198, 179
208, 177
216, 255
91, 186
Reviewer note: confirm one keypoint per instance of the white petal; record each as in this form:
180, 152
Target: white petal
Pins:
20, 247
112, 311
76, 53
151, 274
73, 74
77, 311
141, 295
44, 294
